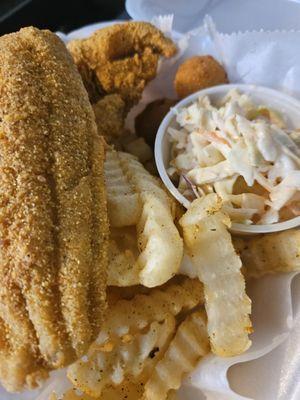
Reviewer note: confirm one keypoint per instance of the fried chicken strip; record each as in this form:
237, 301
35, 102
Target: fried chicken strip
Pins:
121, 59
53, 219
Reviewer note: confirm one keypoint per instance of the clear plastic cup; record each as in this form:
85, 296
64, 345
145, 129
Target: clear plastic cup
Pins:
285, 104
229, 15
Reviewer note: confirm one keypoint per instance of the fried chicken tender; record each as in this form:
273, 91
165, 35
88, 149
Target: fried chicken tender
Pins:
53, 218
120, 59
196, 73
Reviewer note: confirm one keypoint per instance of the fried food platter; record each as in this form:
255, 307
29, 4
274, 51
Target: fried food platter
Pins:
145, 247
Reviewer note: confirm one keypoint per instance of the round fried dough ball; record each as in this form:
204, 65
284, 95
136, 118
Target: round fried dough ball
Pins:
198, 72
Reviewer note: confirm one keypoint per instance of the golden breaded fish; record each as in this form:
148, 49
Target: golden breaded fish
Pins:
53, 218
121, 58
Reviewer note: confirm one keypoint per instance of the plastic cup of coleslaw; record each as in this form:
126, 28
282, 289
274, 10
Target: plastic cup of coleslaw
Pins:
275, 100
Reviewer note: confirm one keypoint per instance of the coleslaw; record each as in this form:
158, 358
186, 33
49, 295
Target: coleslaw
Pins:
243, 152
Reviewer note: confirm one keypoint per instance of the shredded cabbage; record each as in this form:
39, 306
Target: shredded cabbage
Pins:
213, 145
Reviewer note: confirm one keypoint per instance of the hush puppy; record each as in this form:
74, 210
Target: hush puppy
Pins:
196, 73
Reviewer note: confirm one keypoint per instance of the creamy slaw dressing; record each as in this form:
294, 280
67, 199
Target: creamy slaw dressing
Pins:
243, 152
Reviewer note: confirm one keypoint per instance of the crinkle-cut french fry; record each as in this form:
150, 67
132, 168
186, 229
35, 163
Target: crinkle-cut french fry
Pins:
71, 394
142, 180
130, 316
271, 253
126, 179
209, 245
134, 337
185, 350
123, 168
123, 253
133, 356
159, 244
123, 201
140, 149
159, 241
116, 293
127, 391
159, 253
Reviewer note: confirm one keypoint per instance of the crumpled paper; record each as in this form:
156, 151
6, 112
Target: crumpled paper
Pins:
270, 369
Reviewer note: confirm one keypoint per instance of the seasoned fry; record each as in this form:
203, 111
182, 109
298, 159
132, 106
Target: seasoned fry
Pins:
185, 350
136, 198
132, 357
134, 338
71, 394
125, 391
130, 316
116, 293
124, 203
123, 253
126, 180
140, 149
209, 245
160, 245
271, 253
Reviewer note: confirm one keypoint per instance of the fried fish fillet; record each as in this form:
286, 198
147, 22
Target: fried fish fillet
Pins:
110, 113
121, 59
53, 218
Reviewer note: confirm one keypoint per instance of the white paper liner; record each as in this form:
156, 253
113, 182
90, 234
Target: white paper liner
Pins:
270, 368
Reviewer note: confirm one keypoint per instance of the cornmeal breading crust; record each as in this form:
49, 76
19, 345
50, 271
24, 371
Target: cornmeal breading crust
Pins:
53, 219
